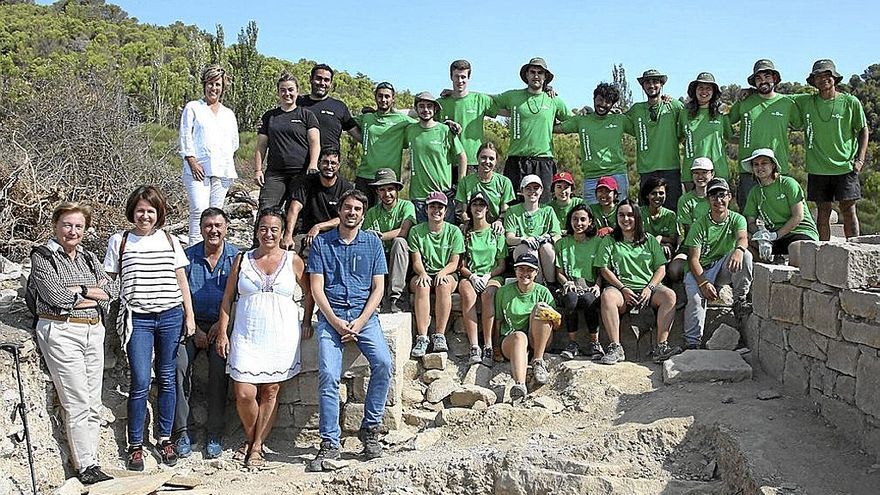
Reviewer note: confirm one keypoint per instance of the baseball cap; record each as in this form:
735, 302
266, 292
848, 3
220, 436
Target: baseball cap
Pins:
702, 163
564, 177
747, 163
716, 185
436, 197
527, 259
530, 179
478, 196
607, 182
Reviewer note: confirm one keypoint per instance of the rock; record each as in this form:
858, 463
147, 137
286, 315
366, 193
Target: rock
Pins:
703, 365
239, 210
709, 470
456, 415
420, 419
768, 394
397, 437
432, 375
132, 485
412, 396
468, 395
480, 406
440, 389
432, 407
106, 415
725, 338
71, 486
109, 360
727, 400
435, 361
352, 444
427, 438
334, 464
549, 403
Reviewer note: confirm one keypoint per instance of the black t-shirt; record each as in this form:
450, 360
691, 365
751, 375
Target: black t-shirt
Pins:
333, 118
319, 203
288, 138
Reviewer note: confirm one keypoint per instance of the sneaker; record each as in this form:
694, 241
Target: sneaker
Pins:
184, 445
539, 371
213, 447
614, 355
394, 306
518, 392
369, 435
693, 346
488, 357
664, 351
475, 356
92, 475
420, 347
438, 343
167, 452
571, 350
327, 452
135, 461
595, 351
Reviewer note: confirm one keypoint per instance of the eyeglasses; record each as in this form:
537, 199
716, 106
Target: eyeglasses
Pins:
385, 85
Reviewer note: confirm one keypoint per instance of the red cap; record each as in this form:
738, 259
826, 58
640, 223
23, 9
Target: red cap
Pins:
564, 177
607, 182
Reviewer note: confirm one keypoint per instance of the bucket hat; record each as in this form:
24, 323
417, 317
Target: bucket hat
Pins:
824, 65
427, 96
537, 62
384, 177
760, 66
707, 78
652, 74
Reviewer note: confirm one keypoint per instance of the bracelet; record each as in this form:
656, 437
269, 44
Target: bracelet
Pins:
652, 287
704, 282
741, 248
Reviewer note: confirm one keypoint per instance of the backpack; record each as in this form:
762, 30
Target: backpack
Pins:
30, 293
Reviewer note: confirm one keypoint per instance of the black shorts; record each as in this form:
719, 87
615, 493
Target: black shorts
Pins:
517, 167
673, 186
828, 188
780, 246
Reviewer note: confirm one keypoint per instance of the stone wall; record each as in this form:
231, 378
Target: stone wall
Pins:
816, 329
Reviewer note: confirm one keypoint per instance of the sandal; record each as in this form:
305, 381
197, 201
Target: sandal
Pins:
255, 459
242, 453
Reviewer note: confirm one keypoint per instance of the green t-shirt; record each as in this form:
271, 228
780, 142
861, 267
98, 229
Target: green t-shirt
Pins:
601, 142
514, 308
634, 265
498, 190
468, 111
704, 136
665, 224
715, 240
690, 207
382, 141
382, 220
562, 211
433, 155
576, 258
831, 131
764, 123
436, 248
531, 121
483, 249
772, 203
523, 224
657, 137
603, 219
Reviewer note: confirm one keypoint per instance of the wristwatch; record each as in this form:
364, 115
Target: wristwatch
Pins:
83, 291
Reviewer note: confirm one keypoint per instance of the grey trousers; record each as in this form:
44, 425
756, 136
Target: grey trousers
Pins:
398, 266
718, 274
74, 354
215, 393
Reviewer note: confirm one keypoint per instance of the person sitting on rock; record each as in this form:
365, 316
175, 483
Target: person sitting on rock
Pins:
435, 247
633, 266
691, 205
532, 228
717, 253
517, 310
482, 268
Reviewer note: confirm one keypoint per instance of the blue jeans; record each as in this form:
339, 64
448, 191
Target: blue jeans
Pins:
159, 333
371, 342
590, 188
718, 274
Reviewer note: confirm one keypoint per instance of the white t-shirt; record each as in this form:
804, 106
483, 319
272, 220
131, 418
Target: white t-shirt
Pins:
148, 282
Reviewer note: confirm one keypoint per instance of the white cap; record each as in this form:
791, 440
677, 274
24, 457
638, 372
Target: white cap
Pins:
747, 163
530, 179
702, 163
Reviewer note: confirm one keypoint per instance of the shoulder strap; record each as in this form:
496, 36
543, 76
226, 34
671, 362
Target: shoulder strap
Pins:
168, 236
46, 253
122, 248
240, 257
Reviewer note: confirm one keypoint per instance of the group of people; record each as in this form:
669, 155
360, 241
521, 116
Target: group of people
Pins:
359, 248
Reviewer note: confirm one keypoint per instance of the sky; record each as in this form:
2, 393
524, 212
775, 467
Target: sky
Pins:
412, 43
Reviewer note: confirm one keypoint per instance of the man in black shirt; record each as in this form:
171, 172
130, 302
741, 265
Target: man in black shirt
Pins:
314, 203
333, 115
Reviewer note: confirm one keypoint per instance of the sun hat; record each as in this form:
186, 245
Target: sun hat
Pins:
537, 62
747, 163
761, 66
384, 177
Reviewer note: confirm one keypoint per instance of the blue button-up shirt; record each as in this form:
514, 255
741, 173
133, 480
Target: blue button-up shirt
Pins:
207, 285
348, 268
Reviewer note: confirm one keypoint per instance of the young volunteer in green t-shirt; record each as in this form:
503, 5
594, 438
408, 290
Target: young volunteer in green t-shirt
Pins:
467, 108
657, 220
778, 201
691, 206
496, 187
717, 254
435, 246
563, 201
575, 254
604, 212
533, 228
633, 265
391, 220
482, 267
519, 310
705, 131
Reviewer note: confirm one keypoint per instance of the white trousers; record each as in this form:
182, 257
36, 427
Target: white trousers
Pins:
211, 191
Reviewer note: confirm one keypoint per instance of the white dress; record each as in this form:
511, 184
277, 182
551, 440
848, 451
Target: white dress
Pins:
264, 345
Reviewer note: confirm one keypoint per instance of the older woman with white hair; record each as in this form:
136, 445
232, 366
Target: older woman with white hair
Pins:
208, 140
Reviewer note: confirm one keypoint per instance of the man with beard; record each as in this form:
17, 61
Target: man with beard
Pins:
532, 115
347, 272
764, 118
601, 135
467, 108
655, 127
333, 115
836, 140
316, 202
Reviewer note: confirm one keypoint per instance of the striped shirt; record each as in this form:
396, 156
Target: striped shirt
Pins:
148, 282
52, 282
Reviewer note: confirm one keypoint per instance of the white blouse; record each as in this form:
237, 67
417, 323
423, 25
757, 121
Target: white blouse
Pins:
211, 138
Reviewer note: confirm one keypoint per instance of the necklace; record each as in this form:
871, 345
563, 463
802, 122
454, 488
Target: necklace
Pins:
817, 101
535, 111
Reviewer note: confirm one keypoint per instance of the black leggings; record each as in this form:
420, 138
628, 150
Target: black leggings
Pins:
570, 302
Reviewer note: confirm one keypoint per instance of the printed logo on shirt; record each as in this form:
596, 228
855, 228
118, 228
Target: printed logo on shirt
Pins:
777, 113
436, 142
296, 121
781, 196
715, 122
471, 110
612, 126
327, 112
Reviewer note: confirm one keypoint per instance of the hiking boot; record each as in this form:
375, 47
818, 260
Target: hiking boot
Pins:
369, 435
135, 461
213, 447
420, 347
168, 452
539, 371
595, 351
571, 350
518, 392
183, 445
664, 351
438, 343
92, 475
475, 356
614, 355
488, 357
394, 306
327, 452
693, 345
